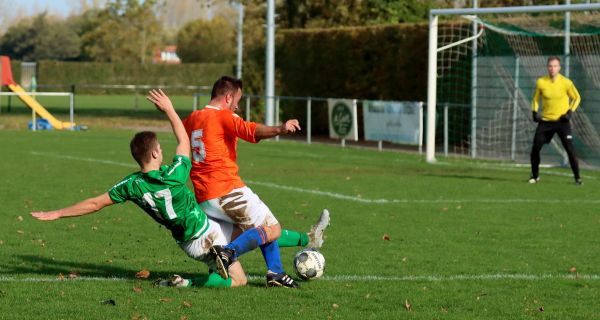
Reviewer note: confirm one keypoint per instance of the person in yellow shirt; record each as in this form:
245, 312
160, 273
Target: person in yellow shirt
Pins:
560, 99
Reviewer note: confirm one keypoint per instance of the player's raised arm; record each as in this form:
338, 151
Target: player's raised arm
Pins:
163, 103
84, 207
265, 132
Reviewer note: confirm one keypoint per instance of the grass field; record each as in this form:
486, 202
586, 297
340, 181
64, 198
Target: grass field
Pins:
467, 240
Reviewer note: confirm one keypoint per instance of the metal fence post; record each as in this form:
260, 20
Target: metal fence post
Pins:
308, 121
513, 144
446, 130
421, 128
71, 110
276, 120
247, 108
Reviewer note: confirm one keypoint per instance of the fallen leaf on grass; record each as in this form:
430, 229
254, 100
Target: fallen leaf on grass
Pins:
407, 305
20, 232
541, 309
20, 218
144, 274
137, 316
73, 275
137, 289
165, 299
60, 277
335, 306
183, 318
186, 304
573, 269
386, 237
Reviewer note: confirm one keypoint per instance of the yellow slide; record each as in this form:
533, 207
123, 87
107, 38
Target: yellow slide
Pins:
39, 109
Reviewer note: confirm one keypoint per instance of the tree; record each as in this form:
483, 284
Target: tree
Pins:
54, 40
206, 41
126, 30
40, 38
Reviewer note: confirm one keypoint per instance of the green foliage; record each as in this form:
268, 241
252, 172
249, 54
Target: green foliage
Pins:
40, 39
18, 41
55, 41
81, 73
391, 11
327, 13
381, 62
206, 41
125, 31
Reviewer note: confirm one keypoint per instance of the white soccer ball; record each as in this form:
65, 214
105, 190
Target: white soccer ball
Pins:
309, 264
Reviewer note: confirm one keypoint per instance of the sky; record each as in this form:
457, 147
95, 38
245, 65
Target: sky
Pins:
32, 7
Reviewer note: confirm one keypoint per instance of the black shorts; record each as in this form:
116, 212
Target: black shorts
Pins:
546, 130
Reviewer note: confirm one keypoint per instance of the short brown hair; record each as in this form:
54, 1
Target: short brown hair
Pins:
225, 85
141, 145
553, 58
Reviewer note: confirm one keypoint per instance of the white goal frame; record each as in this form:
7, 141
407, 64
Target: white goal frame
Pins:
433, 50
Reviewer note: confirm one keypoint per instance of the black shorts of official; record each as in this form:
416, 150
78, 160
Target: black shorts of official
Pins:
546, 130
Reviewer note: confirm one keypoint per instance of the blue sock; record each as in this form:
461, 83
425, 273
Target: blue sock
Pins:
270, 252
248, 241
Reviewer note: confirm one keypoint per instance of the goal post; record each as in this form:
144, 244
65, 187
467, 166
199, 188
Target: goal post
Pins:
525, 61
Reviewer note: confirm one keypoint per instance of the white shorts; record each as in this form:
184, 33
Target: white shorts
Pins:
241, 207
218, 233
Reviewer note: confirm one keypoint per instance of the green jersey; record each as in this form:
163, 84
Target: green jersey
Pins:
164, 196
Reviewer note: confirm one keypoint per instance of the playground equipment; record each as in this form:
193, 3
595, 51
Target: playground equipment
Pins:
7, 80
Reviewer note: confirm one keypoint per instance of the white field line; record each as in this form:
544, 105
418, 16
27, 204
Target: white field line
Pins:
363, 278
63, 156
340, 196
425, 201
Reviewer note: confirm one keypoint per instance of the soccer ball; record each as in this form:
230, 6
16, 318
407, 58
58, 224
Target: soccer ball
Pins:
309, 264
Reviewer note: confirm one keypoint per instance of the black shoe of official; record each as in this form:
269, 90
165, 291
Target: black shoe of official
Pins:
578, 182
223, 259
280, 280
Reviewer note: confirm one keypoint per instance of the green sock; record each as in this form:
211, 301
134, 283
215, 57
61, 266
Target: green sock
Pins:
211, 280
291, 238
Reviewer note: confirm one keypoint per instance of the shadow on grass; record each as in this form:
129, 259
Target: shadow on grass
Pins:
31, 264
37, 265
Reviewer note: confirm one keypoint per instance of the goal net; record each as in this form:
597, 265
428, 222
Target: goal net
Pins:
485, 86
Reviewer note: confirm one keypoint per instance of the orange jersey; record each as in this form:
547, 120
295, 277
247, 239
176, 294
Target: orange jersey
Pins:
213, 135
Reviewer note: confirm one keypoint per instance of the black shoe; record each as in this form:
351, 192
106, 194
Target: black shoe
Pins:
578, 182
223, 259
280, 280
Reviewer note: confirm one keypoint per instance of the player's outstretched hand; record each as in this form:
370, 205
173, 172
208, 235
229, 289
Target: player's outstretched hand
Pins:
42, 215
290, 126
160, 100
